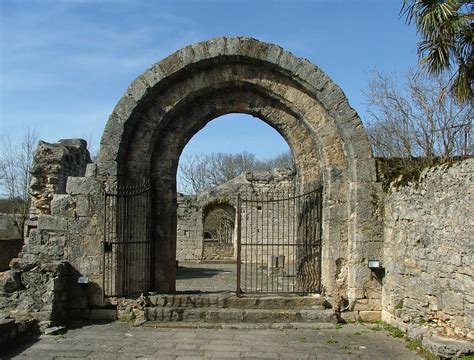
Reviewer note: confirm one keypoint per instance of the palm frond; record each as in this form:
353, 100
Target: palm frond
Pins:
447, 35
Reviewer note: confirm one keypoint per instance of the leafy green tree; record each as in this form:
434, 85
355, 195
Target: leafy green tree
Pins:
446, 30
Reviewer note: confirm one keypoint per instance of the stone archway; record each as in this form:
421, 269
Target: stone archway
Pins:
166, 105
218, 222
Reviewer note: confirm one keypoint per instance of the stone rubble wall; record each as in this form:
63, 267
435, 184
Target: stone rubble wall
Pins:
38, 289
52, 165
63, 214
429, 257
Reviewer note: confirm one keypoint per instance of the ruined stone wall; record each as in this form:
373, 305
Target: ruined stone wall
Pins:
71, 233
429, 257
52, 165
215, 250
189, 228
63, 214
280, 182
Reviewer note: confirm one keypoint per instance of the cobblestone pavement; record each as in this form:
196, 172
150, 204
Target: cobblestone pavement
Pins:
121, 341
206, 277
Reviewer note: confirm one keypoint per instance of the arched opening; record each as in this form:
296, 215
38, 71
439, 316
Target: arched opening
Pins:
178, 96
185, 123
210, 268
219, 223
226, 147
212, 170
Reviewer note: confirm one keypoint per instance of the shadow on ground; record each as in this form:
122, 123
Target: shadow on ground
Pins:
196, 273
17, 346
22, 343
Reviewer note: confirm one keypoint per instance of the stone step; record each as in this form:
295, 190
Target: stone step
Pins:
238, 326
246, 302
233, 315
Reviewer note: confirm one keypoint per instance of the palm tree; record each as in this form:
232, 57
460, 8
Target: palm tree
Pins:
446, 28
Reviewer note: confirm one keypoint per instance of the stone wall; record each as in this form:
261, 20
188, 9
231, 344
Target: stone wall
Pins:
39, 289
191, 208
59, 222
429, 257
52, 165
216, 250
189, 234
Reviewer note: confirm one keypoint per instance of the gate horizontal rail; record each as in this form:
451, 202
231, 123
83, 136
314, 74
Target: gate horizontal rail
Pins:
279, 242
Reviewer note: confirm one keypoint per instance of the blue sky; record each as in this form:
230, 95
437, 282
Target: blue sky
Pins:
65, 63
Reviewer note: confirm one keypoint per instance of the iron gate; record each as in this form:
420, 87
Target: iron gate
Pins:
279, 242
127, 266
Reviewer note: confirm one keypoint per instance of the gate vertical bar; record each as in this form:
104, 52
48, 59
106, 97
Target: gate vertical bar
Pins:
319, 195
267, 238
272, 237
239, 243
246, 232
103, 246
152, 233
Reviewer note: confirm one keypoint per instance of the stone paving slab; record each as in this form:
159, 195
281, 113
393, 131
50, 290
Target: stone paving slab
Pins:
122, 341
206, 277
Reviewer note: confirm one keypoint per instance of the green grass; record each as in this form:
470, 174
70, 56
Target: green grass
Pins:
392, 330
338, 326
415, 345
331, 340
301, 338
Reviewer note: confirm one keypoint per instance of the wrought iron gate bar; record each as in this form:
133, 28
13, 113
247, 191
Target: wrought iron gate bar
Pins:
285, 196
279, 242
128, 242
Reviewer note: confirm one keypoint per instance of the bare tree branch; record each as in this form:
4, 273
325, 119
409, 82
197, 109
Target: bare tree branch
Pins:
200, 172
15, 165
418, 118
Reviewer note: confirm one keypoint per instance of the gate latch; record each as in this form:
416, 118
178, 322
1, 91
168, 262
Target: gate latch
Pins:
107, 247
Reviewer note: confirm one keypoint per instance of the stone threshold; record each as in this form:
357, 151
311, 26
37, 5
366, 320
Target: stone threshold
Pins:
238, 326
